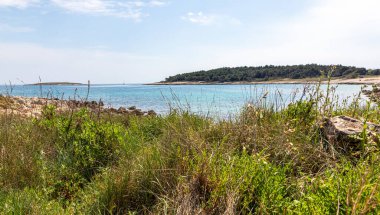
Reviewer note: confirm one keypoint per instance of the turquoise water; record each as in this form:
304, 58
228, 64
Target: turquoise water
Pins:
203, 99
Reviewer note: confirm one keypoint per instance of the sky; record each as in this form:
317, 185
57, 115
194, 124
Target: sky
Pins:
143, 41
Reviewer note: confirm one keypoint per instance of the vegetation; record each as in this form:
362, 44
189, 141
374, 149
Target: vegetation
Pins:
265, 73
268, 160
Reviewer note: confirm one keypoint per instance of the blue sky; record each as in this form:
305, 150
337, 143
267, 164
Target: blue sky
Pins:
139, 41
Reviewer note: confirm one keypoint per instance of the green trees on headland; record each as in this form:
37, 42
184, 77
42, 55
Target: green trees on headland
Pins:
270, 72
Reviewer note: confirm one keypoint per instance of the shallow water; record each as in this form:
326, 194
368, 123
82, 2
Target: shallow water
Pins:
203, 99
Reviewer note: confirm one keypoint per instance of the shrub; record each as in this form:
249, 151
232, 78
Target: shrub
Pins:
83, 147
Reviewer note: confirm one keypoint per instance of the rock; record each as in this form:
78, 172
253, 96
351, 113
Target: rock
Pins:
373, 94
20, 101
122, 110
137, 112
33, 106
132, 108
37, 102
366, 92
346, 133
73, 103
151, 113
112, 110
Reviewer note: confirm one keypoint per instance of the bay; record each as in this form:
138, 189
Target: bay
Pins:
221, 100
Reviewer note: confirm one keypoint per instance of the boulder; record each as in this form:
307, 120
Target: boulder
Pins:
132, 108
37, 102
373, 94
74, 103
346, 133
20, 101
151, 113
122, 110
113, 110
137, 112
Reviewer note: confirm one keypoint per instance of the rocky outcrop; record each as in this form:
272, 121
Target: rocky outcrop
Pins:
34, 106
131, 111
373, 94
347, 134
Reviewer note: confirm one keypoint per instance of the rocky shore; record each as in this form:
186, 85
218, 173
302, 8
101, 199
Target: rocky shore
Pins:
33, 106
373, 94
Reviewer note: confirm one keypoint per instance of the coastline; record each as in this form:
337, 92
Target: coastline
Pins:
360, 81
34, 106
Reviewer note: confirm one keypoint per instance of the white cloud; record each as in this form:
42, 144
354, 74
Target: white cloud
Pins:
17, 3
82, 6
14, 29
121, 9
209, 19
199, 18
157, 3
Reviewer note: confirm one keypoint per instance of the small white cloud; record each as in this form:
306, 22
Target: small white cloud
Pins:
121, 9
116, 8
157, 3
14, 29
199, 18
211, 19
82, 6
17, 3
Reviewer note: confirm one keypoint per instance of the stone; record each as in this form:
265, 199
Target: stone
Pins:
151, 113
37, 102
112, 110
132, 108
122, 110
137, 112
373, 94
20, 101
346, 133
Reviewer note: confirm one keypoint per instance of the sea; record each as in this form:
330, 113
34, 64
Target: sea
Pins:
209, 100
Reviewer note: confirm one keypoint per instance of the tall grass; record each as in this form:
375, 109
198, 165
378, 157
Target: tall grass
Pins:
267, 160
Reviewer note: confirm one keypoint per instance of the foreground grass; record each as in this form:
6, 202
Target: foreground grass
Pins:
262, 162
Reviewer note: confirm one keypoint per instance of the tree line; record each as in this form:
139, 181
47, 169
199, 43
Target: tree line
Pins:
270, 72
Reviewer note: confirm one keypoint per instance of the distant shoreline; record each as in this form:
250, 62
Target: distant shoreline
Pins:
56, 84
364, 80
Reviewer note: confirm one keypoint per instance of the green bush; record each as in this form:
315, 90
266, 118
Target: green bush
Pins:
83, 146
28, 201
